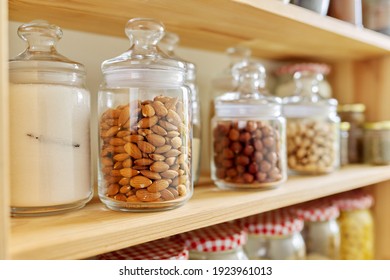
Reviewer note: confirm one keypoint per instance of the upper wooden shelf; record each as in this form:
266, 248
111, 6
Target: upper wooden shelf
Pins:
95, 229
270, 28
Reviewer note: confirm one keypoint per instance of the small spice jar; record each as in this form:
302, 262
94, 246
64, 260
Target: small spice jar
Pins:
377, 143
354, 115
312, 130
274, 235
49, 126
347, 10
248, 134
376, 15
162, 249
286, 84
356, 225
168, 44
145, 126
219, 242
318, 6
321, 231
344, 137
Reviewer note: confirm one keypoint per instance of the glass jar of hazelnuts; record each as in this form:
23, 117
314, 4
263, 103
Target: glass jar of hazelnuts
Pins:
144, 126
313, 126
248, 146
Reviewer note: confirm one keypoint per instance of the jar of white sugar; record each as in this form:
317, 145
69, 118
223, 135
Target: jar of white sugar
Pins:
49, 126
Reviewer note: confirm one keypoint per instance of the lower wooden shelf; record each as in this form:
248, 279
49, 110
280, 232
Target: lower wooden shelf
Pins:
95, 229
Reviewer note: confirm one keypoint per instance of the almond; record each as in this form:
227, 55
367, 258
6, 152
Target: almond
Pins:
157, 157
112, 189
174, 192
170, 174
107, 170
163, 149
159, 108
111, 132
172, 153
133, 150
133, 138
167, 125
107, 150
123, 133
127, 163
159, 166
171, 103
148, 110
119, 149
156, 140
144, 132
173, 118
148, 122
118, 165
176, 142
121, 157
124, 116
140, 182
172, 134
162, 98
132, 198
124, 181
146, 196
170, 161
158, 185
182, 190
140, 167
143, 161
146, 147
128, 172
167, 195
120, 197
125, 189
106, 161
151, 175
159, 130
117, 142
115, 173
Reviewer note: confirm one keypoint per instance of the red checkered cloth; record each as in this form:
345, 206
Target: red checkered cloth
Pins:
316, 211
352, 200
280, 222
217, 238
162, 249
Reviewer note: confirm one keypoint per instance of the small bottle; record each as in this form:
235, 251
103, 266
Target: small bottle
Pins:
144, 126
219, 242
49, 127
344, 141
356, 225
168, 44
274, 235
312, 129
161, 249
248, 134
321, 231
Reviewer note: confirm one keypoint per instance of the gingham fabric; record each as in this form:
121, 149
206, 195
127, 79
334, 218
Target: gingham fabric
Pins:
279, 222
162, 249
317, 211
310, 67
217, 238
352, 200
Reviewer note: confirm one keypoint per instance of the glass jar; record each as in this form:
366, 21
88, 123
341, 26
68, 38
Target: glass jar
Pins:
354, 115
312, 130
218, 242
376, 15
168, 44
318, 6
49, 126
162, 249
356, 225
248, 132
321, 231
344, 138
377, 143
145, 126
347, 10
286, 83
274, 235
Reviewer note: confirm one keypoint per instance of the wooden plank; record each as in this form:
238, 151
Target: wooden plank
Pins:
4, 155
95, 229
218, 24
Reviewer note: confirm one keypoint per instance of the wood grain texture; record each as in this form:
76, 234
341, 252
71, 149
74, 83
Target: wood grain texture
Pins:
270, 28
4, 155
95, 229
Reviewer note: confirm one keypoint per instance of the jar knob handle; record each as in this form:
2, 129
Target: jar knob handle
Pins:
144, 32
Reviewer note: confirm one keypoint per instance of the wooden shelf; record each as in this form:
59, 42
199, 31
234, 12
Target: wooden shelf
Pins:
270, 28
95, 229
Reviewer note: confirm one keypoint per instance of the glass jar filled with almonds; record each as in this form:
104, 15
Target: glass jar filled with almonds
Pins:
312, 130
145, 126
248, 132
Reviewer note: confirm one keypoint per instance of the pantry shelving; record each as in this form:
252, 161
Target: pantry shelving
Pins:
360, 60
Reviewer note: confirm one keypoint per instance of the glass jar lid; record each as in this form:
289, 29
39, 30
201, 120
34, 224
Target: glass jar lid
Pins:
143, 63
279, 222
162, 249
355, 108
316, 211
307, 104
352, 200
383, 125
216, 238
250, 98
345, 126
41, 56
